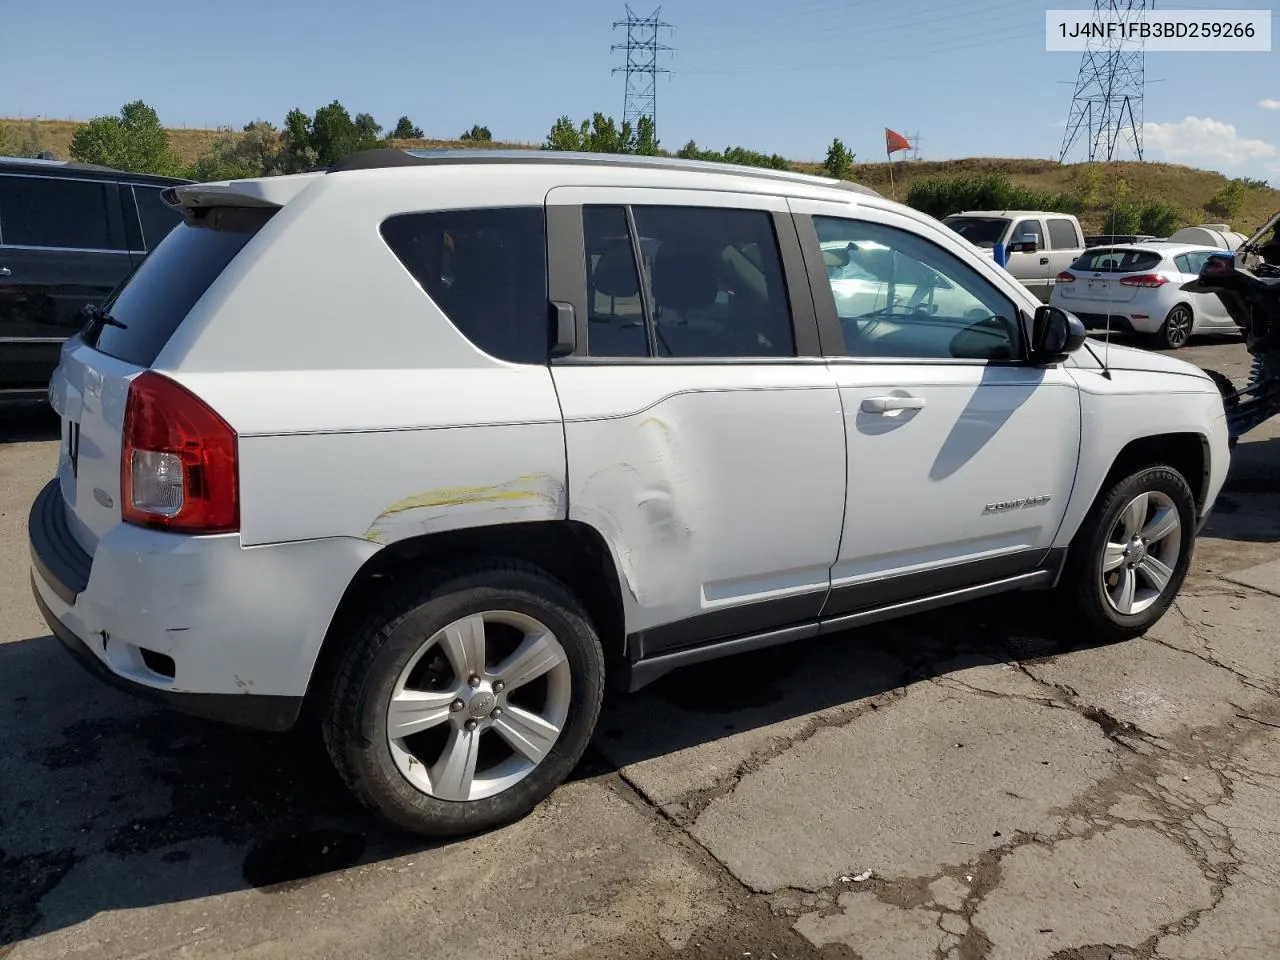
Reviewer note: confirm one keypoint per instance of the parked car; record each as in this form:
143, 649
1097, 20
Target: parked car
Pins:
441, 441
69, 233
1137, 288
1038, 245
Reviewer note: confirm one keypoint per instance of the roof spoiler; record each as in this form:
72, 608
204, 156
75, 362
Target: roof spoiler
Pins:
264, 192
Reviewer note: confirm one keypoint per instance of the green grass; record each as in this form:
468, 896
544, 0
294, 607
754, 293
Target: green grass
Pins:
1185, 188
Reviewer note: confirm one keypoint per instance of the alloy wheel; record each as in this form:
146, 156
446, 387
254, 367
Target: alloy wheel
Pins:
479, 706
1141, 553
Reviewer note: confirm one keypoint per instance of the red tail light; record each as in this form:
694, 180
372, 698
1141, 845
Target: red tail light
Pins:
1145, 280
1065, 277
179, 467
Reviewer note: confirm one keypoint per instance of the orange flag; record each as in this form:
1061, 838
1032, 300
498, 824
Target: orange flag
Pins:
894, 142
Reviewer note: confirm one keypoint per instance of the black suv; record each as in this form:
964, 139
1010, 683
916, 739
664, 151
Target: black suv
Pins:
69, 233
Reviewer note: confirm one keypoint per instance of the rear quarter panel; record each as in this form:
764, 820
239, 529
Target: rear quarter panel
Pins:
361, 410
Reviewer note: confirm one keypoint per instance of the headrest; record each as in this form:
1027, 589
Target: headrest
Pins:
615, 271
685, 276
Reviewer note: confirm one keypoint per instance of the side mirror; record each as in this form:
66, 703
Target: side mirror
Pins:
1055, 334
1026, 243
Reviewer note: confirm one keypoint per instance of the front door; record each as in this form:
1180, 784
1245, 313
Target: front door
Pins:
1031, 268
61, 246
704, 431
961, 456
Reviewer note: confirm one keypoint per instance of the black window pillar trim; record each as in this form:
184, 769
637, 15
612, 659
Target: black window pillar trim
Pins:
800, 294
567, 268
826, 320
643, 281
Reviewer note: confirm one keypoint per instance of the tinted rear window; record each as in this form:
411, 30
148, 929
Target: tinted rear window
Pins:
156, 298
487, 270
53, 212
1117, 261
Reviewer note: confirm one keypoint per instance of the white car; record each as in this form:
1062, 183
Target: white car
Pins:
440, 442
1137, 288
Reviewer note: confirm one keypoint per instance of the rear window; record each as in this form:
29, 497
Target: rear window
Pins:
486, 269
1117, 261
157, 297
981, 231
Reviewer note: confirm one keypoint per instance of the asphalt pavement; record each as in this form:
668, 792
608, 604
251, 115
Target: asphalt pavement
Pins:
976, 783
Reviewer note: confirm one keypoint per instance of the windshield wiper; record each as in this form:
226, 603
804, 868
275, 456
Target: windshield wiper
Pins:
99, 317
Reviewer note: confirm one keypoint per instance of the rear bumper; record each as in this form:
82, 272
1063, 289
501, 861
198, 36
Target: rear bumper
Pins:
263, 713
237, 629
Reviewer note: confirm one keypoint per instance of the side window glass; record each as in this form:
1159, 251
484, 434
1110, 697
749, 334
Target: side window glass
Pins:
1029, 228
920, 303
1183, 263
1195, 261
486, 270
615, 308
1062, 234
158, 218
53, 212
716, 281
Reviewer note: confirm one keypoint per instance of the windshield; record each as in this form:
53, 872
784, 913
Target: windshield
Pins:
981, 231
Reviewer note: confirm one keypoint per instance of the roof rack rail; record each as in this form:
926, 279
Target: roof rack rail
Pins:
385, 157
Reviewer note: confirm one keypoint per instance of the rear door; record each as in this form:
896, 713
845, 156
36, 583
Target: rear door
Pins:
1065, 245
704, 433
62, 245
1031, 269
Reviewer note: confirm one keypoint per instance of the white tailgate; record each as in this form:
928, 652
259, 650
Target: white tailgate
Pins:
88, 390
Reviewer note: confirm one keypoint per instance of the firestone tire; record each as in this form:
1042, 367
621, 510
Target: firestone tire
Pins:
435, 620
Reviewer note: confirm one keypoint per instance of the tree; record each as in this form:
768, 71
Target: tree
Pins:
477, 133
1089, 185
1125, 216
369, 130
1229, 201
1159, 219
839, 162
563, 136
335, 135
405, 130
646, 137
254, 152
133, 141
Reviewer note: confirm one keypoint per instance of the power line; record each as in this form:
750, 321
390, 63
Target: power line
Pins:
1106, 106
641, 67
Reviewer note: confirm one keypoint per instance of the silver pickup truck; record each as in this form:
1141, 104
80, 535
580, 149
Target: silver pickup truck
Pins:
1038, 244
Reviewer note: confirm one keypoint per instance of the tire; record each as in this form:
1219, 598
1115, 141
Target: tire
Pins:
1176, 330
402, 649
1092, 592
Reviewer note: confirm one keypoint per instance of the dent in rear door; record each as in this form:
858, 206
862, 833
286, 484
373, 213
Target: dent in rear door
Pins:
718, 484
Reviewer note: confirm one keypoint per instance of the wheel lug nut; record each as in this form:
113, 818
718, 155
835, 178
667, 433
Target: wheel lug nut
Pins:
499, 687
470, 724
474, 681
497, 712
456, 705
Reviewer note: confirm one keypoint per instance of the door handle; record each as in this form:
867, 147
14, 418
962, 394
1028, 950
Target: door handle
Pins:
5, 271
1044, 261
890, 404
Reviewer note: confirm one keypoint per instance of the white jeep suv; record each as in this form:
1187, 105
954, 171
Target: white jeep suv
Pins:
435, 442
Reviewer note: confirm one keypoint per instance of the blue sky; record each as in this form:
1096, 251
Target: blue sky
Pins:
775, 75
